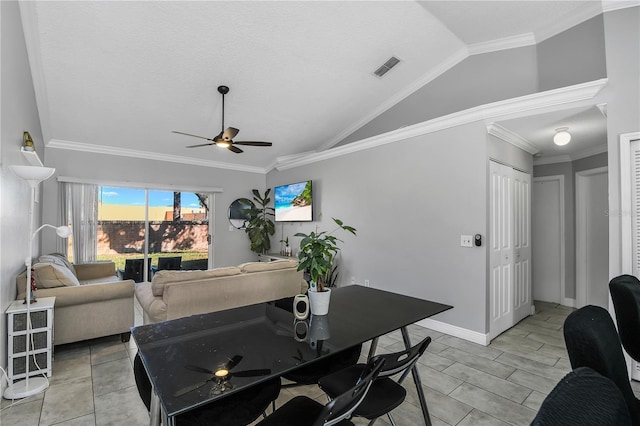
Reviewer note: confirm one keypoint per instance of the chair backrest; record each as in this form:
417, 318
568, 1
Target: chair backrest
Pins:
625, 293
592, 341
170, 263
134, 270
343, 406
402, 362
586, 398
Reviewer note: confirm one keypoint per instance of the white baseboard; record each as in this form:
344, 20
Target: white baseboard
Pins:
455, 331
567, 301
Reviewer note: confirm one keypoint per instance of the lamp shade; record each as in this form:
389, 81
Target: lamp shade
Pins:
32, 174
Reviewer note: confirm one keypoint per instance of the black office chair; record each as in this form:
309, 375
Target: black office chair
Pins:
238, 409
385, 394
169, 263
304, 411
586, 398
625, 293
133, 270
592, 341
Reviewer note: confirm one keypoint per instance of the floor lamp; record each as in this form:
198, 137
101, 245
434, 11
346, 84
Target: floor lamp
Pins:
34, 175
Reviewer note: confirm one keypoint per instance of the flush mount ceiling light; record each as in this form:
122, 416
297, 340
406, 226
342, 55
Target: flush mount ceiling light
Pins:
562, 136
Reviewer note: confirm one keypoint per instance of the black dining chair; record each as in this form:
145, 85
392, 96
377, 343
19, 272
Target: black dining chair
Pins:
583, 397
592, 341
385, 394
238, 409
625, 293
133, 270
169, 263
310, 374
304, 411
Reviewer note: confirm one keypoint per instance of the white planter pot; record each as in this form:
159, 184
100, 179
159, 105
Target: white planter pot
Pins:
319, 301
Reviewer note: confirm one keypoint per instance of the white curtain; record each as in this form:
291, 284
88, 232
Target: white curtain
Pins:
80, 207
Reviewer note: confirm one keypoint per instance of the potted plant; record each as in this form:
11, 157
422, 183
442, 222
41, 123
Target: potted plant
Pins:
317, 252
260, 227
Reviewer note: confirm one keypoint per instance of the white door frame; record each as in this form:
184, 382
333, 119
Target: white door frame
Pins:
581, 253
563, 296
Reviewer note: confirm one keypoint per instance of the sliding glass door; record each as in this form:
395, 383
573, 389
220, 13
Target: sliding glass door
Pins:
146, 230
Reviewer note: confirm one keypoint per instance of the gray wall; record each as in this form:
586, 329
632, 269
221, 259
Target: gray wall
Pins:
19, 113
569, 170
477, 80
622, 32
573, 56
231, 247
410, 202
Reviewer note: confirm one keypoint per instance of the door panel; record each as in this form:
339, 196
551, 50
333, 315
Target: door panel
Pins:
522, 245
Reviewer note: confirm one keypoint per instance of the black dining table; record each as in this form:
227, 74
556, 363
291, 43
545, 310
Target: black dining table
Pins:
265, 337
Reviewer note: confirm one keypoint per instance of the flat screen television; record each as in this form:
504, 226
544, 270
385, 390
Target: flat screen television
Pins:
294, 202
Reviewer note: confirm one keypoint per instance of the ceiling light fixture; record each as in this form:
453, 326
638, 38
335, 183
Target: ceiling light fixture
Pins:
562, 136
223, 143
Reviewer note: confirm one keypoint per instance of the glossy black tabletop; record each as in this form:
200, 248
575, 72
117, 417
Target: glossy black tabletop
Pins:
258, 342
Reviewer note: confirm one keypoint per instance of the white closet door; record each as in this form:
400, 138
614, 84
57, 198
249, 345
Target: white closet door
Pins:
522, 245
501, 250
635, 205
509, 247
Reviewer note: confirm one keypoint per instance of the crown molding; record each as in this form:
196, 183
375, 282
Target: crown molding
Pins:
551, 160
611, 5
521, 40
594, 150
125, 152
513, 138
535, 102
434, 73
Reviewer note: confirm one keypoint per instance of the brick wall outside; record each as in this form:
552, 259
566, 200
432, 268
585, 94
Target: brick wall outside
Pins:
117, 237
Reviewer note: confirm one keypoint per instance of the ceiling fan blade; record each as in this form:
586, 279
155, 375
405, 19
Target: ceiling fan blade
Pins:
235, 149
189, 134
229, 133
251, 373
191, 388
202, 144
252, 143
233, 362
198, 369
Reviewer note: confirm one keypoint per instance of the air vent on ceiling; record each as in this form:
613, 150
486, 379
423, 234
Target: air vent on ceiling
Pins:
386, 67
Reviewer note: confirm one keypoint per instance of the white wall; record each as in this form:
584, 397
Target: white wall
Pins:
409, 201
19, 113
231, 247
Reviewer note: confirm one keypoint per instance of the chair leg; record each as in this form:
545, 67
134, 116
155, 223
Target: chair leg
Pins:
391, 419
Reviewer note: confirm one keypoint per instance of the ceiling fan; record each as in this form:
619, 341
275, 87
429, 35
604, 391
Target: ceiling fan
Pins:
221, 376
225, 138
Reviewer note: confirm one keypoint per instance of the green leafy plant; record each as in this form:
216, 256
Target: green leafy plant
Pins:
317, 252
260, 225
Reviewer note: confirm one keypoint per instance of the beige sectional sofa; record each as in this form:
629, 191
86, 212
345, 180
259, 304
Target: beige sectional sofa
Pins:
91, 301
176, 294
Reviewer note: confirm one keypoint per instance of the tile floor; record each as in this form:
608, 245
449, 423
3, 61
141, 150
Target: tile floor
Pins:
465, 383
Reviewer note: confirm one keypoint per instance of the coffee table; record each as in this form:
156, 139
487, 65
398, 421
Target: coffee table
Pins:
264, 339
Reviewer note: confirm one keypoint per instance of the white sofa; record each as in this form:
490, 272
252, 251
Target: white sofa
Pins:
176, 294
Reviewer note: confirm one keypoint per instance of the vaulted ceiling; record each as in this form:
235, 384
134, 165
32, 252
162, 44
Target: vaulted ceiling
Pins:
120, 76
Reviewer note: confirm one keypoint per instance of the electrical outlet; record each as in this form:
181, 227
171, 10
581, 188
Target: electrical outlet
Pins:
466, 240
353, 280
366, 283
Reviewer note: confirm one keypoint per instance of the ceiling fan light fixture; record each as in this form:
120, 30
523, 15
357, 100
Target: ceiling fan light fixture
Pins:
223, 143
562, 136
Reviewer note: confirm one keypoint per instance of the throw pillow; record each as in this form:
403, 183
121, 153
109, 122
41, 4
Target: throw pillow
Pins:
50, 275
164, 276
58, 259
268, 266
